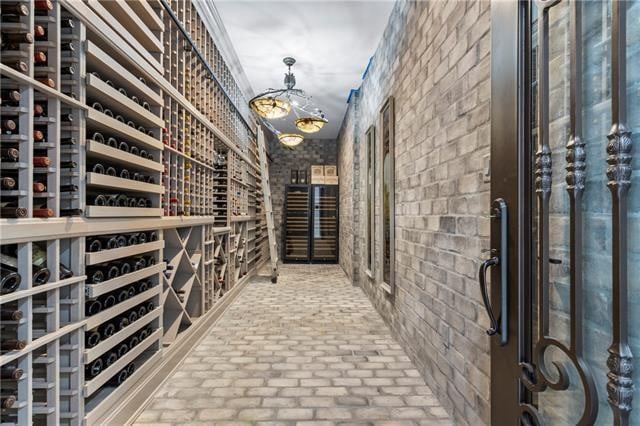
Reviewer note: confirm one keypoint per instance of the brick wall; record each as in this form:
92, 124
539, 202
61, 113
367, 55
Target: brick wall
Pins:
310, 152
434, 60
347, 170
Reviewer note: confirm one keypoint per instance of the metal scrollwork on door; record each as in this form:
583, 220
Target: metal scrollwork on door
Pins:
536, 376
620, 360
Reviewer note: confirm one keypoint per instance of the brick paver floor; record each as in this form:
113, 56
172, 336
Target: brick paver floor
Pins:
310, 350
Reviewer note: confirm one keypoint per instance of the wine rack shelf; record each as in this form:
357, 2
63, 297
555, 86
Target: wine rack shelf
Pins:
113, 128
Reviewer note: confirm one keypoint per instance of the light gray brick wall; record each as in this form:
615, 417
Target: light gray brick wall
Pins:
434, 60
308, 153
347, 169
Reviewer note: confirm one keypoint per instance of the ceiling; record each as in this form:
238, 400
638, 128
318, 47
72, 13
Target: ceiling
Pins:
332, 42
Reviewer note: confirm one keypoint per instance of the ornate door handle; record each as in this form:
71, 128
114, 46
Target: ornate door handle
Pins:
499, 323
482, 277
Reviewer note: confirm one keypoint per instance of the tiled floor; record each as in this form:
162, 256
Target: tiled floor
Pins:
308, 350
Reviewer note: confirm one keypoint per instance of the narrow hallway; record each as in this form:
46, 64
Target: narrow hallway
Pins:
309, 350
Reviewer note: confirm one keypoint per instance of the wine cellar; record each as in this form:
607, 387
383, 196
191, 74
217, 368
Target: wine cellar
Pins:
132, 200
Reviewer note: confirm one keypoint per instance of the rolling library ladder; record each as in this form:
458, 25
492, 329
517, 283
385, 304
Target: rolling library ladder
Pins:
266, 185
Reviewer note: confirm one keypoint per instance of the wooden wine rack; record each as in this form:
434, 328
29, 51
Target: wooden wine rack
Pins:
139, 138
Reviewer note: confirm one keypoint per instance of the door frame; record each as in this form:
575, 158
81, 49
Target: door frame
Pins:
511, 180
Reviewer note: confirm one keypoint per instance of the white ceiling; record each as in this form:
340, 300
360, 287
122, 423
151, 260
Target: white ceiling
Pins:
332, 42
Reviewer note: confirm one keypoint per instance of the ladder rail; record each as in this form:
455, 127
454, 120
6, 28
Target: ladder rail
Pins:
268, 207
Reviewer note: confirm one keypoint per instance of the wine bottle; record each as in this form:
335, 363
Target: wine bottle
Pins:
122, 350
144, 333
19, 66
96, 276
7, 401
134, 150
38, 136
107, 330
119, 378
109, 301
43, 5
143, 286
142, 311
95, 245
67, 47
17, 9
17, 38
65, 272
98, 200
8, 182
92, 338
132, 240
110, 358
113, 271
124, 174
93, 369
10, 154
68, 141
98, 168
123, 146
8, 126
132, 316
92, 307
12, 344
111, 171
68, 188
12, 211
11, 314
150, 306
66, 118
39, 187
41, 161
40, 273
123, 322
112, 142
98, 137
39, 110
47, 81
68, 165
10, 97
43, 212
122, 295
142, 238
10, 372
133, 342
39, 32
122, 240
131, 368
66, 23
68, 70
39, 58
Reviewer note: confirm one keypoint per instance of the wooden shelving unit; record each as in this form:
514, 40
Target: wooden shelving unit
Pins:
148, 204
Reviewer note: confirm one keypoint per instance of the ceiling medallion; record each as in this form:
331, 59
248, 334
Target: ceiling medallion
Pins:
278, 103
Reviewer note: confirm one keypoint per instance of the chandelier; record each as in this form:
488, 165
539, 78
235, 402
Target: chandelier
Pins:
278, 104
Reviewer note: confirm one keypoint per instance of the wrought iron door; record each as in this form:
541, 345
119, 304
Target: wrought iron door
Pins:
566, 164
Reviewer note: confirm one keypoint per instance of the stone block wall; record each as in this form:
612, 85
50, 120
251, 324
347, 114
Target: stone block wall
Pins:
434, 60
310, 152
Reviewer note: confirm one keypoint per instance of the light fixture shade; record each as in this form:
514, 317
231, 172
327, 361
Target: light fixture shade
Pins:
290, 139
269, 107
310, 124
